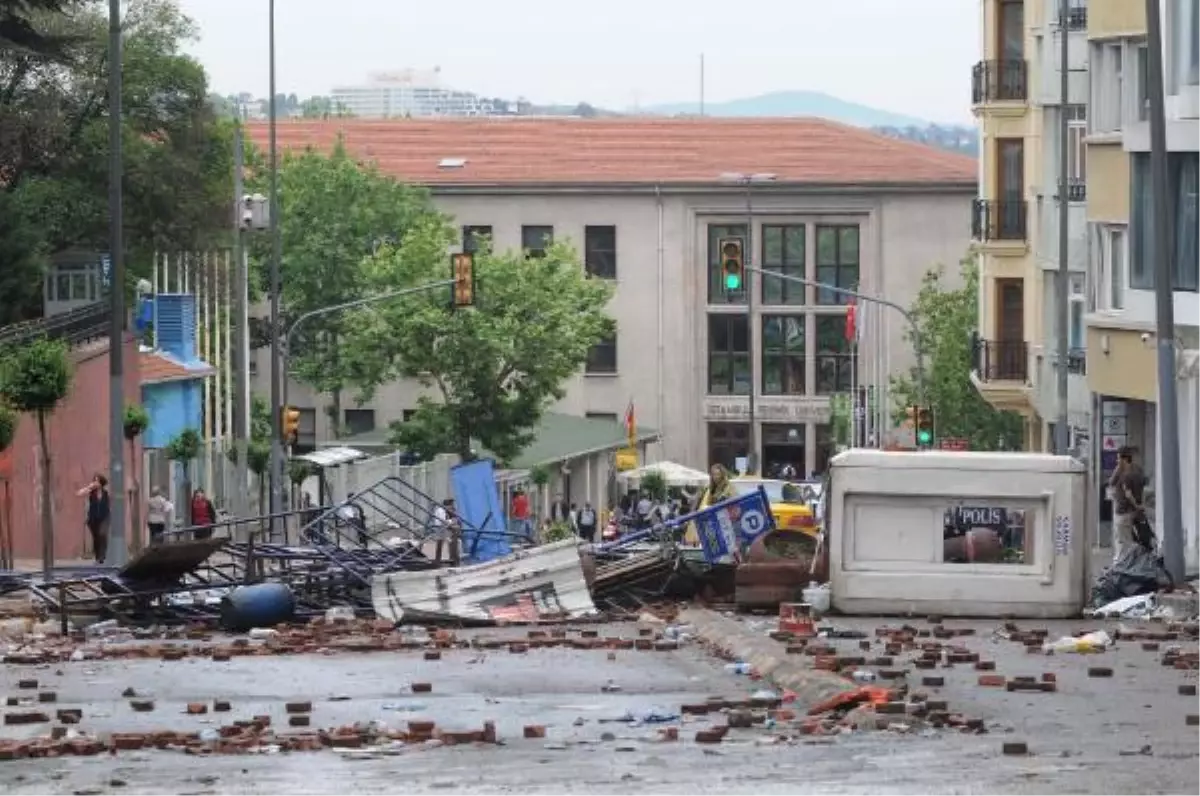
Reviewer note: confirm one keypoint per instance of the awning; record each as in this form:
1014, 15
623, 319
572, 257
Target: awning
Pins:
331, 457
676, 475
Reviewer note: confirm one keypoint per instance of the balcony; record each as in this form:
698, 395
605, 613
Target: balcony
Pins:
1001, 360
999, 220
999, 81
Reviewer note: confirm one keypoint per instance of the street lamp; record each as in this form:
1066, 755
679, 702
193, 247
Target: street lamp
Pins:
116, 290
748, 181
276, 256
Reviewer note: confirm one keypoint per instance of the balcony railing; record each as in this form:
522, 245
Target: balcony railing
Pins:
77, 327
1001, 360
999, 81
999, 220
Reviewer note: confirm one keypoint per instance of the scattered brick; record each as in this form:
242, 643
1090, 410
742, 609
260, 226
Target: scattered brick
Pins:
589, 633
864, 645
985, 666
47, 696
668, 734
1049, 677
433, 655
517, 648
127, 742
535, 731
220, 656
301, 720
142, 705
298, 707
26, 717
666, 646
1099, 671
423, 727
645, 631
1193, 720
696, 709
991, 680
892, 708
938, 705
933, 682
196, 708
883, 660
710, 736
924, 663
27, 684
1187, 689
221, 706
1150, 646
69, 715
12, 701
489, 731
795, 649
422, 688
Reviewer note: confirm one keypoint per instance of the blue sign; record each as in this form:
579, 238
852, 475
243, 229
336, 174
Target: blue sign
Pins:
726, 528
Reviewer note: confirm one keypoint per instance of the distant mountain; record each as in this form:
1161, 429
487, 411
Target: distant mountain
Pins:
792, 103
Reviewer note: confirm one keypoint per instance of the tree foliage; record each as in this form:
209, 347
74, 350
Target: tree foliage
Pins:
19, 31
492, 369
36, 376
185, 446
8, 426
336, 211
137, 419
54, 144
947, 318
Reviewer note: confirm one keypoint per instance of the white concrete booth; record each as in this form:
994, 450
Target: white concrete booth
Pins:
957, 534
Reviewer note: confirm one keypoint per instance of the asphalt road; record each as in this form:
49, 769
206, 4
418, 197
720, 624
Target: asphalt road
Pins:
1077, 737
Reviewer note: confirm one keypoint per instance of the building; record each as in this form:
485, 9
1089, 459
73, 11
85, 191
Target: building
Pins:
408, 93
173, 375
646, 201
1122, 367
1017, 98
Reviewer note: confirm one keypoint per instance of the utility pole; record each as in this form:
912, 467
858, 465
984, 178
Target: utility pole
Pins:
1160, 239
241, 364
751, 286
117, 549
1063, 277
276, 503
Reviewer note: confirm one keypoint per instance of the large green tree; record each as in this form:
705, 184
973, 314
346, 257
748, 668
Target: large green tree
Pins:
54, 143
20, 30
492, 369
947, 317
335, 212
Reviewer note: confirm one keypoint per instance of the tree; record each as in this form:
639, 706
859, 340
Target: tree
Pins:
337, 212
947, 319
494, 368
184, 449
137, 419
35, 378
258, 459
8, 432
19, 31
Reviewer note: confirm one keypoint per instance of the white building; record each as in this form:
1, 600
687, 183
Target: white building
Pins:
409, 93
645, 201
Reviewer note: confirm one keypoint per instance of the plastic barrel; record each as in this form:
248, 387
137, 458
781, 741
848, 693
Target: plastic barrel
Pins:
259, 605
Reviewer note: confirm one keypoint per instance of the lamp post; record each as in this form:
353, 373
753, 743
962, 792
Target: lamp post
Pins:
276, 255
748, 181
116, 289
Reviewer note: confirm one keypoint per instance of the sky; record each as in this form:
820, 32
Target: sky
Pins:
907, 56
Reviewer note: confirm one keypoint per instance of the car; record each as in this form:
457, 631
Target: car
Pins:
791, 505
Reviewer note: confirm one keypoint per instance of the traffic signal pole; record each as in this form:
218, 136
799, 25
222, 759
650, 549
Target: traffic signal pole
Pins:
922, 394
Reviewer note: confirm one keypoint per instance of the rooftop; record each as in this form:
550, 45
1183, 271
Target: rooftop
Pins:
520, 151
157, 367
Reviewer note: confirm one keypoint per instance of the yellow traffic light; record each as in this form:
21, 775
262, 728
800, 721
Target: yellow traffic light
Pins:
462, 270
732, 265
291, 425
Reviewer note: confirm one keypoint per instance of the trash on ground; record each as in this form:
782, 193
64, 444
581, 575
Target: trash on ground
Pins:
1097, 641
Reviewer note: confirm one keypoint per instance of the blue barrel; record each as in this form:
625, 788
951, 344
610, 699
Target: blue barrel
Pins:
260, 605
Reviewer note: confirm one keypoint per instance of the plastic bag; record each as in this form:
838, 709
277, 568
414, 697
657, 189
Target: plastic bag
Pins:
1092, 642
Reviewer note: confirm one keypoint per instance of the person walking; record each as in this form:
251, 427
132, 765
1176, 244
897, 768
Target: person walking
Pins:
158, 515
98, 515
587, 522
1127, 486
204, 515
520, 513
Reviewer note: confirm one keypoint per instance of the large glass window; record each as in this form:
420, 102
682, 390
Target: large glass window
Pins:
716, 282
728, 354
834, 360
1183, 170
837, 261
600, 251
783, 355
783, 253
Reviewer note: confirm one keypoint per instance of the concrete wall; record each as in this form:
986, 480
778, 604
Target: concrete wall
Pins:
173, 407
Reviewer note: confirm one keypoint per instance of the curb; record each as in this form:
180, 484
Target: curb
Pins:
812, 687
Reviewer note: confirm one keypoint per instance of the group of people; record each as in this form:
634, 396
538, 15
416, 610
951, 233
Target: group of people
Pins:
160, 513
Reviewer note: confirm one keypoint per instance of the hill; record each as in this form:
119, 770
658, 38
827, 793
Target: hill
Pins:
792, 103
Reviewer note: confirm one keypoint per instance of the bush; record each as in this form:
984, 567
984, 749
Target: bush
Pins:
185, 447
136, 421
557, 532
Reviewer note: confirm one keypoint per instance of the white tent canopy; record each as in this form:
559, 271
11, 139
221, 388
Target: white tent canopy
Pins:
676, 475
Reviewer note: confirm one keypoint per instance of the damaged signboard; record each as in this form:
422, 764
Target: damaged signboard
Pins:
727, 527
544, 582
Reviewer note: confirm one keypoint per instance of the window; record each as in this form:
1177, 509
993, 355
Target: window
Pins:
1076, 152
602, 357
608, 417
1107, 76
728, 442
716, 282
600, 252
988, 532
1143, 83
73, 283
837, 261
360, 421
728, 355
1077, 301
1182, 23
783, 253
408, 415
834, 361
1182, 169
536, 239
1111, 256
783, 355
474, 238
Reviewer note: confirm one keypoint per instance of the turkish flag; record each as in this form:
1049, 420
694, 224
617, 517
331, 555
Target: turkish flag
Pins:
851, 323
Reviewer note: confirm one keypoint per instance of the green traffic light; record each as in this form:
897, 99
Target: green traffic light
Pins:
924, 438
733, 282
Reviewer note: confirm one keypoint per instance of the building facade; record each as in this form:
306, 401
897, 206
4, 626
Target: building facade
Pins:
1017, 226
842, 207
409, 93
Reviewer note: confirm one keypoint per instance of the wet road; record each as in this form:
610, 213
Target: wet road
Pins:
1077, 736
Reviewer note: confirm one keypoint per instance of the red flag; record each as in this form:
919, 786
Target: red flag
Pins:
851, 323
630, 423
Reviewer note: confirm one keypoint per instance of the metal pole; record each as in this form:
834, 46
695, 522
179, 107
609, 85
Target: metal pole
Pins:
751, 286
1063, 277
922, 395
116, 286
241, 364
1170, 503
276, 256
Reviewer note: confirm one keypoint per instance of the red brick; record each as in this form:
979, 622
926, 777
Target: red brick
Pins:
69, 715
127, 741
422, 727
489, 731
668, 734
142, 705
433, 655
1049, 677
26, 717
535, 731
710, 736
221, 706
991, 680
985, 666
422, 688
197, 708
298, 707
518, 647
1187, 689
301, 720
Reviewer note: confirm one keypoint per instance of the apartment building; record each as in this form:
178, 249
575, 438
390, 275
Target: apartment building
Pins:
408, 93
1017, 98
1122, 367
645, 202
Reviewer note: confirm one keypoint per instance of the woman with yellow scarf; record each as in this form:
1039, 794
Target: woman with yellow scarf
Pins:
719, 488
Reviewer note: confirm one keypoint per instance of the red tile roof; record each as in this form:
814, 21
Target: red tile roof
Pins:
523, 151
156, 368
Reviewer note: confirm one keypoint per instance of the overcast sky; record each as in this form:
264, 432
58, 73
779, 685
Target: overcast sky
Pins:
908, 56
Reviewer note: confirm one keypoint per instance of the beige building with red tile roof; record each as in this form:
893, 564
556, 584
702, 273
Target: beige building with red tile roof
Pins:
644, 200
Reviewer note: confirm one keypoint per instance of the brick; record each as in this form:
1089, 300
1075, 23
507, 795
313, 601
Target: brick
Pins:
535, 731
865, 645
346, 741
985, 666
262, 721
710, 736
12, 701
891, 708
1187, 689
220, 656
1150, 646
933, 682
1099, 671
423, 727
794, 649
84, 747
127, 741
695, 709
27, 684
489, 732
460, 737
69, 715
26, 717
589, 633
299, 720
891, 674
142, 705
845, 661
1049, 677
1192, 720
517, 648
221, 706
1014, 748
173, 653
668, 734
936, 705
991, 680
666, 646
422, 688
196, 708
298, 707
47, 696
782, 714
740, 719
433, 655
643, 644
883, 660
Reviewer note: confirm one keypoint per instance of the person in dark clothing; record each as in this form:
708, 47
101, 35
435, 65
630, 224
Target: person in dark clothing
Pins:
353, 515
204, 515
586, 523
97, 515
1128, 488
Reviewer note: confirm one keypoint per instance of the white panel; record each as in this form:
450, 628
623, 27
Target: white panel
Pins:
887, 531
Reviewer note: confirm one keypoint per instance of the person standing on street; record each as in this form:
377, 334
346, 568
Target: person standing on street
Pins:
587, 522
158, 515
97, 515
520, 513
1127, 486
204, 515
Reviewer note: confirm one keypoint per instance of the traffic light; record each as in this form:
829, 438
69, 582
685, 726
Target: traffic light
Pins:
462, 271
732, 266
291, 425
924, 427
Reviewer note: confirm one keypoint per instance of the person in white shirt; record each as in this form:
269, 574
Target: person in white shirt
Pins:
158, 514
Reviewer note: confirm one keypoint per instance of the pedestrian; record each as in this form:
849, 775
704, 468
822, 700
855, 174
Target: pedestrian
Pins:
353, 515
645, 507
204, 515
560, 512
158, 515
520, 513
587, 522
97, 515
1127, 487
